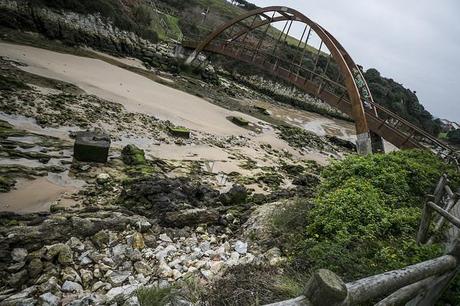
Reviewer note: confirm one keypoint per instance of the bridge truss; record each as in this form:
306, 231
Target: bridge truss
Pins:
314, 61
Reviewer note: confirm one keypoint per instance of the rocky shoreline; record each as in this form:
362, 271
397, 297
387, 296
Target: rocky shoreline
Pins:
139, 221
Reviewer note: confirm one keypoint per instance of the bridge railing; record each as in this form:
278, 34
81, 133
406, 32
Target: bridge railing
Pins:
419, 284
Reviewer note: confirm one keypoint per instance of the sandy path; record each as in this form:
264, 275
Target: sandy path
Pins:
135, 92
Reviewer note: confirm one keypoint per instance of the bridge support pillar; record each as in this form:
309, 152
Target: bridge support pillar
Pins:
364, 144
377, 143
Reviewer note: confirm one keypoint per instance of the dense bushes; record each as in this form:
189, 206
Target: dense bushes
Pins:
366, 213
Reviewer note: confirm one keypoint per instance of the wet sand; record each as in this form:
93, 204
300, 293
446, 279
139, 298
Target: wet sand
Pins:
32, 196
135, 92
139, 94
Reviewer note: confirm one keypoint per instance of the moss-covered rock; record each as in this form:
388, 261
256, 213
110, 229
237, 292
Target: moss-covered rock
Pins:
179, 132
132, 155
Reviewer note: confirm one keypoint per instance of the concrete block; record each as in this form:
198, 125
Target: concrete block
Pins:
91, 147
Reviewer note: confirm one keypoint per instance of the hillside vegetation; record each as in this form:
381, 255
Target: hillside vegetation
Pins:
365, 215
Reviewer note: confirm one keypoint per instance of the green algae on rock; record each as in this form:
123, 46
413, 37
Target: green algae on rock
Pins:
132, 155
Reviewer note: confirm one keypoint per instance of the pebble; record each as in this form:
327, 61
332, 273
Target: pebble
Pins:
48, 299
165, 238
241, 247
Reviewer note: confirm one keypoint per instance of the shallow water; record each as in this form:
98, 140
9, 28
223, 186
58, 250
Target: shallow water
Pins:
31, 196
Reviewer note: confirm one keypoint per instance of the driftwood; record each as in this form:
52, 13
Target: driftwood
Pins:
405, 294
434, 291
372, 287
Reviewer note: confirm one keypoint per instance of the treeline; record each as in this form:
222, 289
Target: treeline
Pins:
245, 4
401, 101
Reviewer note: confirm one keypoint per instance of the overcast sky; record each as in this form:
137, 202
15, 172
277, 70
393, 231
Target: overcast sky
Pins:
414, 42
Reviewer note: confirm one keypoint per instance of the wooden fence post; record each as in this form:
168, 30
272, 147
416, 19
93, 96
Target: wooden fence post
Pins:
422, 235
326, 288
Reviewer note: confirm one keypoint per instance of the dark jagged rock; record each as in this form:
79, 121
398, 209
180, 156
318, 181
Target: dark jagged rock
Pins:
236, 195
156, 196
191, 217
132, 155
342, 143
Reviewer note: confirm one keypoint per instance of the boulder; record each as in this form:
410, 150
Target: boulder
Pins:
62, 252
132, 155
236, 195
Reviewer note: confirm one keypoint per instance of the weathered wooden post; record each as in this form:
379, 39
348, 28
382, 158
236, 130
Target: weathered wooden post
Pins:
422, 235
326, 288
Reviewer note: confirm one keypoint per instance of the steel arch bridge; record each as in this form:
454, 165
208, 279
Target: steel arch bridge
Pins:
327, 72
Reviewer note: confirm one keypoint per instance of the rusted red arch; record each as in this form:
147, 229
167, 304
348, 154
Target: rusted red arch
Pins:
351, 64
358, 113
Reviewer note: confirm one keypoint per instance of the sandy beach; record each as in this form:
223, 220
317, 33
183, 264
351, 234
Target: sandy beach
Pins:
135, 92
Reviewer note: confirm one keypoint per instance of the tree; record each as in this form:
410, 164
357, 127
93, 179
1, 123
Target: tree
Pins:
454, 136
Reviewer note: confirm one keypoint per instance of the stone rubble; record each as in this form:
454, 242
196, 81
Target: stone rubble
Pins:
110, 266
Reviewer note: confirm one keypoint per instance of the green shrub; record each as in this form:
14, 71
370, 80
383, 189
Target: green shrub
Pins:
366, 214
156, 296
454, 136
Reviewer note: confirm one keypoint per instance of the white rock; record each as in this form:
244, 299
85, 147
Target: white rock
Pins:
165, 238
119, 250
48, 299
164, 269
176, 274
216, 266
132, 301
116, 278
85, 260
72, 287
120, 291
249, 258
19, 254
165, 252
100, 285
241, 247
103, 178
234, 258
207, 274
205, 246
